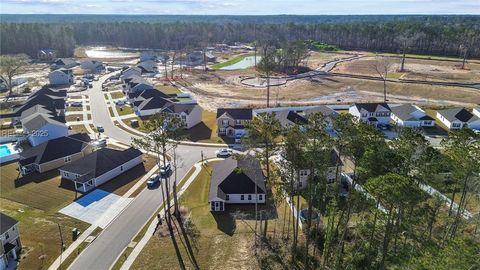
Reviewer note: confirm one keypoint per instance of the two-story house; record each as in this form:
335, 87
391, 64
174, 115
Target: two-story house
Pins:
60, 76
372, 113
331, 173
10, 241
231, 122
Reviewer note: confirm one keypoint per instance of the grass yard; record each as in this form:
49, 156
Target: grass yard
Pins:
44, 191
78, 129
110, 109
124, 110
76, 109
206, 131
39, 232
167, 89
225, 242
116, 95
230, 62
73, 117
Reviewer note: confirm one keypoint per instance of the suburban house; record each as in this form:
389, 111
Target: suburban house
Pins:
46, 54
288, 118
236, 182
148, 66
231, 122
457, 118
100, 167
92, 66
148, 55
476, 111
64, 63
54, 153
333, 161
407, 115
60, 76
372, 113
131, 71
150, 102
10, 240
41, 127
135, 83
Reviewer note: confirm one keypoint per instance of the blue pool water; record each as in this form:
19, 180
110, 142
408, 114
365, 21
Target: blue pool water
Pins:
4, 151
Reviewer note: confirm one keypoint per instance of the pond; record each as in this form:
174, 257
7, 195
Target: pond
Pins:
246, 62
106, 53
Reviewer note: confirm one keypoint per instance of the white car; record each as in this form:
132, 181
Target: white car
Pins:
164, 170
225, 152
100, 142
476, 131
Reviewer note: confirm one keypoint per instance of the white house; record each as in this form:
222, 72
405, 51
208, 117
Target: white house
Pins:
407, 115
41, 127
148, 66
9, 240
190, 114
93, 66
236, 182
476, 111
135, 83
457, 118
130, 72
60, 76
372, 113
100, 167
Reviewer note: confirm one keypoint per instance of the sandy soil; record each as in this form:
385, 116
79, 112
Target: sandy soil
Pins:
317, 59
419, 69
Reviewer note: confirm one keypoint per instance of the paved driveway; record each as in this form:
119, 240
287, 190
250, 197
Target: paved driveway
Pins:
98, 207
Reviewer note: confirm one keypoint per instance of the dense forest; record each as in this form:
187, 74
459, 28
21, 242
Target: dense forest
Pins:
436, 35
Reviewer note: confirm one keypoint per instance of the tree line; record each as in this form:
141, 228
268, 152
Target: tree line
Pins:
446, 36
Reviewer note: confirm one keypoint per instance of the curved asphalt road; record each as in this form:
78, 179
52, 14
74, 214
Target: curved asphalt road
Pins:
103, 252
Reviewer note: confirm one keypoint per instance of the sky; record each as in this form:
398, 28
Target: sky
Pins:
240, 7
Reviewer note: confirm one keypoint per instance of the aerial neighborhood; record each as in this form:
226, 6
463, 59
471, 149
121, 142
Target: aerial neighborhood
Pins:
239, 142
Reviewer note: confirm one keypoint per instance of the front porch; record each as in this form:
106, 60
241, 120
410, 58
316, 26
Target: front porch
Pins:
84, 186
217, 206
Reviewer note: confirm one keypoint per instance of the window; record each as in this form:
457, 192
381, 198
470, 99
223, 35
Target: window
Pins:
249, 197
67, 159
456, 124
238, 122
260, 197
121, 168
303, 173
364, 115
66, 174
227, 197
225, 122
300, 184
242, 197
6, 235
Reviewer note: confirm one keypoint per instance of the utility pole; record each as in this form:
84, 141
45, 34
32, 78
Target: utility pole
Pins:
61, 245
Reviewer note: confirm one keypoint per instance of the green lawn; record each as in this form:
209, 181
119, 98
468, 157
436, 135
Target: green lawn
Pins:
206, 131
39, 232
78, 129
118, 94
230, 62
71, 108
168, 89
124, 110
110, 109
225, 241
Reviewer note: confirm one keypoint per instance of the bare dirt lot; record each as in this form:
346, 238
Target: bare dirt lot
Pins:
317, 59
222, 89
415, 69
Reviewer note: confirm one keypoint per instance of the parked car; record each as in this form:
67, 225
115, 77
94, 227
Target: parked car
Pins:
120, 102
76, 104
164, 170
100, 128
153, 180
225, 152
383, 126
476, 131
100, 142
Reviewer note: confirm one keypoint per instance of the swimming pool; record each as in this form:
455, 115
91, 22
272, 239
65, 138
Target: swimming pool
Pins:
4, 151
8, 152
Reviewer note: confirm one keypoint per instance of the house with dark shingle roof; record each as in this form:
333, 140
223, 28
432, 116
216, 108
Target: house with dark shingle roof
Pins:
407, 115
231, 121
93, 66
236, 182
372, 113
54, 153
61, 76
148, 66
135, 83
457, 118
476, 111
130, 72
64, 63
10, 240
100, 167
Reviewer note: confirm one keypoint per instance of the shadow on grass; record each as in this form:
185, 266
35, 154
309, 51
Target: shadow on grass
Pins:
124, 178
225, 222
35, 178
198, 132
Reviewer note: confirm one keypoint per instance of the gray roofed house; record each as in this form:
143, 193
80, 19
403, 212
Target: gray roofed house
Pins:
148, 66
476, 111
407, 115
54, 153
236, 182
289, 118
100, 167
372, 113
457, 118
64, 63
231, 121
10, 241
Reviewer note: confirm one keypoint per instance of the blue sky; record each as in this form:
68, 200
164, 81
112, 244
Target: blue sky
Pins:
242, 7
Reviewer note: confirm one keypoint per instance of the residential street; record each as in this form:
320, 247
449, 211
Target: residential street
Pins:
106, 248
